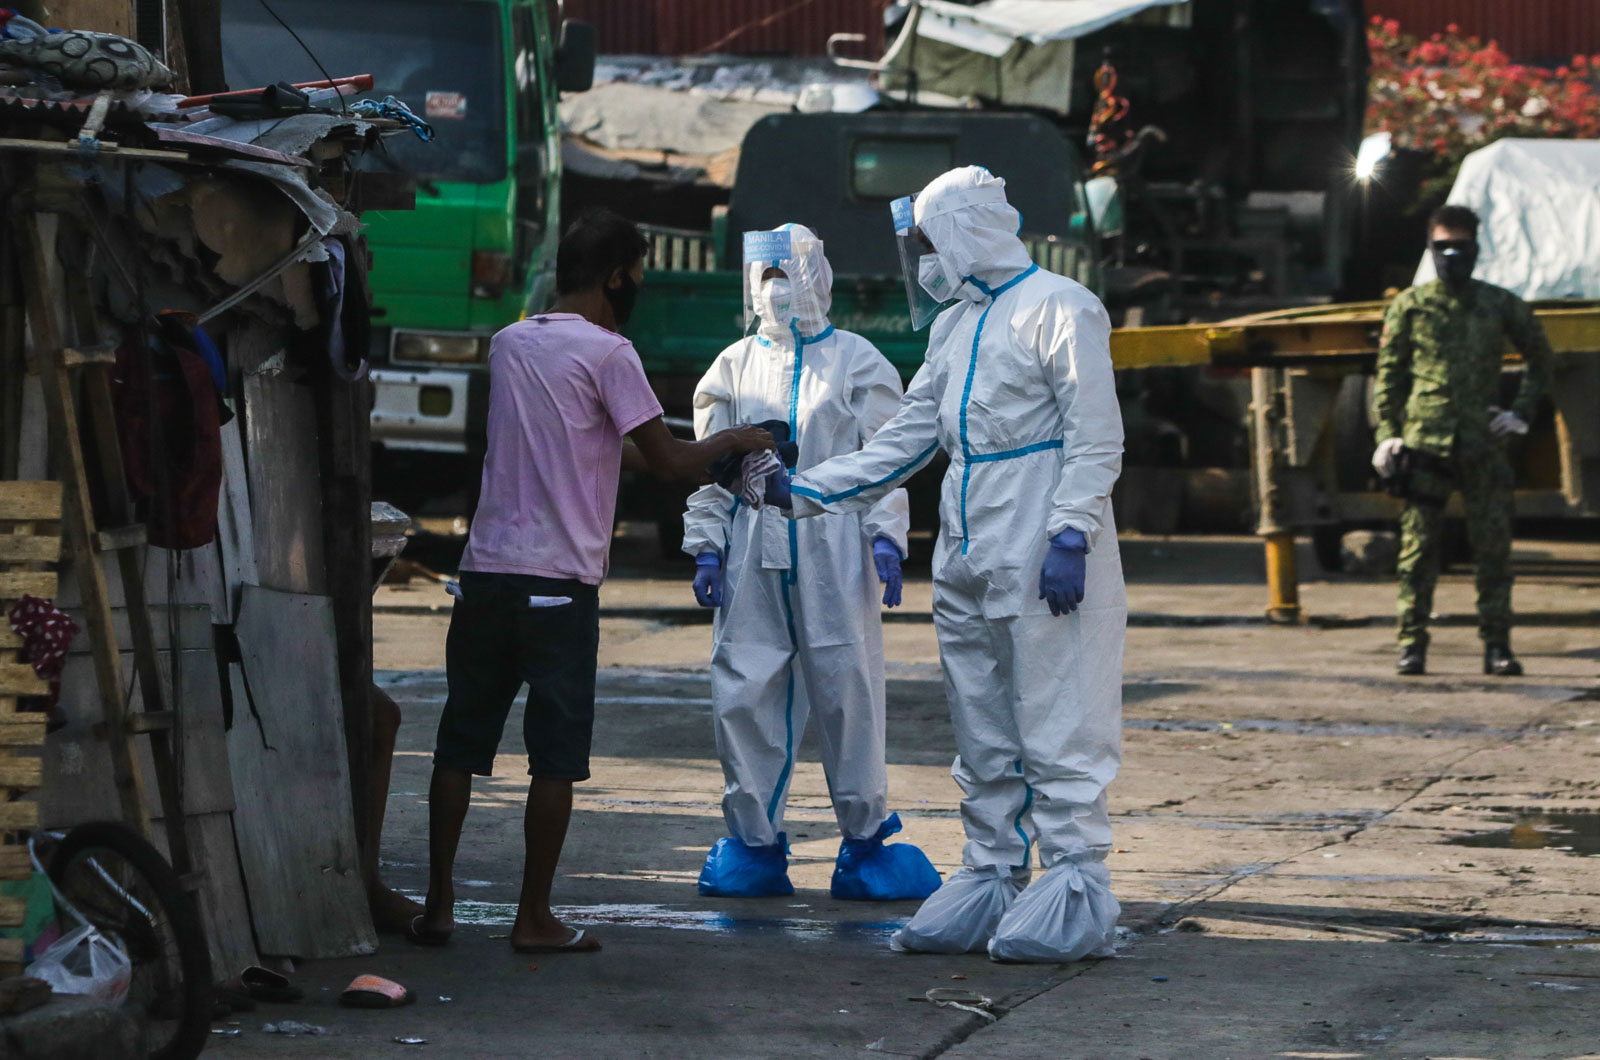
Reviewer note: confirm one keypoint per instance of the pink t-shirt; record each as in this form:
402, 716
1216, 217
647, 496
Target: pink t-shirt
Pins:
562, 394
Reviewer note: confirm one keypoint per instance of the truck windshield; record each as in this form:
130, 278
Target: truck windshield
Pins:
443, 60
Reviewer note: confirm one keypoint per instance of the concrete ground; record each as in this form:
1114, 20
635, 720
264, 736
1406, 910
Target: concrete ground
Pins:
1290, 828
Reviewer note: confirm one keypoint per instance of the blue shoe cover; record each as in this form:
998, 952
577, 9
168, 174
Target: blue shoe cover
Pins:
869, 871
734, 870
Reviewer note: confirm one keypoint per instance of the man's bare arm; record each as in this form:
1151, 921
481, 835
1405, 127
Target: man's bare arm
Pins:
675, 459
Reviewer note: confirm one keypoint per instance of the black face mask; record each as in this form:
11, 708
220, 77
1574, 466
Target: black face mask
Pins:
622, 299
1454, 260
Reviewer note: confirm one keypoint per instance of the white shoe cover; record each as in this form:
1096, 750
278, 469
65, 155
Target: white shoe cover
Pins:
961, 915
1068, 914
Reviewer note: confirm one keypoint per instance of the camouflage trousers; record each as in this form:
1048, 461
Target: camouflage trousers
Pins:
1485, 480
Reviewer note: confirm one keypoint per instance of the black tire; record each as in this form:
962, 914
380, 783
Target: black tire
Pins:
1353, 440
171, 960
1327, 543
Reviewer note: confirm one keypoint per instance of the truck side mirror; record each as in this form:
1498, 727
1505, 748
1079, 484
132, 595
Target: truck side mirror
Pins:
575, 51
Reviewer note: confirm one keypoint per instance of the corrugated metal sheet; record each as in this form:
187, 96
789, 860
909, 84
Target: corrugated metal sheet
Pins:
1527, 30
729, 27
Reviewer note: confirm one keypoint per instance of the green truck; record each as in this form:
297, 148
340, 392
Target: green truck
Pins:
479, 247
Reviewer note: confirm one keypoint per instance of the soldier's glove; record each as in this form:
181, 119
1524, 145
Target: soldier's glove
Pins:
1503, 422
1386, 458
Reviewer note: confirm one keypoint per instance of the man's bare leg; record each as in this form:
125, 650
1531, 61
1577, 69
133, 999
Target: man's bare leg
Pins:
448, 796
391, 910
545, 831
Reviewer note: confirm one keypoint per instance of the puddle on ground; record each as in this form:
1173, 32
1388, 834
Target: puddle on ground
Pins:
1539, 937
804, 929
1574, 832
1321, 728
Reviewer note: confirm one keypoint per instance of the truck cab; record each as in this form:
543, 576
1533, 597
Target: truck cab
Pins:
479, 248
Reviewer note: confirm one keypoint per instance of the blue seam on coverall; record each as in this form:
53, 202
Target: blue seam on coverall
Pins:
1027, 804
1012, 454
830, 498
966, 391
789, 576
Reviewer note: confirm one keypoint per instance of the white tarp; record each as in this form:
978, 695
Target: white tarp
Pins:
1016, 52
1539, 201
992, 27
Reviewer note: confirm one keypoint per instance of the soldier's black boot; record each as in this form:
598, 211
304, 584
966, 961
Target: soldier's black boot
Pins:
1499, 662
1413, 660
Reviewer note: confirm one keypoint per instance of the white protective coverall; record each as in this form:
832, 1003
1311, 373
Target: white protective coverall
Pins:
1018, 390
799, 629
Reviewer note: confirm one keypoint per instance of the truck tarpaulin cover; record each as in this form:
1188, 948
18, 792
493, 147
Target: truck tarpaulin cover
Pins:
1539, 201
1014, 52
1034, 21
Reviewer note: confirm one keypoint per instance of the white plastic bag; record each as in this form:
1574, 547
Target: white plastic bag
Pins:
1068, 914
85, 962
960, 916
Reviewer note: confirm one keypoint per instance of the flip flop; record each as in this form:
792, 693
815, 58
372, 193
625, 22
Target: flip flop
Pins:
421, 936
263, 984
372, 991
572, 945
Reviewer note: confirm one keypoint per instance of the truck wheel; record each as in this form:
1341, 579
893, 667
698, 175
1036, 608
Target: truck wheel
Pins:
1352, 435
1327, 542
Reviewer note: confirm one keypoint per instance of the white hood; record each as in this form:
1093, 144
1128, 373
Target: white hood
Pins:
965, 215
811, 279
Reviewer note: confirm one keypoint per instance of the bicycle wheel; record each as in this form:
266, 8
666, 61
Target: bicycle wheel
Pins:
125, 888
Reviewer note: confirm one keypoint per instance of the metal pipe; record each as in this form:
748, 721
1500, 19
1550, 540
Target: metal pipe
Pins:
1283, 580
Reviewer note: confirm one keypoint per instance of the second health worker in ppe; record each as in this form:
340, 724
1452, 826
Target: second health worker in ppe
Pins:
1028, 603
798, 628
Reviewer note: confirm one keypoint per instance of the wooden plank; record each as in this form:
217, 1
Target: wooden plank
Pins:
121, 537
10, 954
18, 679
17, 772
294, 824
285, 477
29, 548
30, 500
14, 584
14, 815
12, 911
236, 541
77, 766
14, 863
21, 730
224, 907
9, 641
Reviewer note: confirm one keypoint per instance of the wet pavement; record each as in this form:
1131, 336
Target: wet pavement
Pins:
1315, 858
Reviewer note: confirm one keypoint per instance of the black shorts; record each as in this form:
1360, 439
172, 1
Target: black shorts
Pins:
497, 642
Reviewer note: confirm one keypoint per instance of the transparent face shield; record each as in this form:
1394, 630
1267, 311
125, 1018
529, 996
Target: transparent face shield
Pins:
779, 282
919, 266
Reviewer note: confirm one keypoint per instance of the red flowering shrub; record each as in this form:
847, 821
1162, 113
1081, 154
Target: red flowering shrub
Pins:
1451, 94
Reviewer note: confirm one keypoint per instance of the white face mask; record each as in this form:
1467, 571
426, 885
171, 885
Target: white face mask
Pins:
775, 301
932, 277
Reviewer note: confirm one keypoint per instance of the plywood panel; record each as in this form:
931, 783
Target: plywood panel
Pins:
284, 473
294, 825
77, 765
224, 908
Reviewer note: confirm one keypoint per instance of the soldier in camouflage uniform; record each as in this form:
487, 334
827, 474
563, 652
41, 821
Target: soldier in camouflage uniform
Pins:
1438, 384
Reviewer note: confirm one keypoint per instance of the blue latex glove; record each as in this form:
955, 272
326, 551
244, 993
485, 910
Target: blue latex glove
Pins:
1061, 577
777, 493
708, 579
886, 557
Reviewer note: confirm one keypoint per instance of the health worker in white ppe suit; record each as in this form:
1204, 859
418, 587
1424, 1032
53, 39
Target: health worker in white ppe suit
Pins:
798, 627
1028, 603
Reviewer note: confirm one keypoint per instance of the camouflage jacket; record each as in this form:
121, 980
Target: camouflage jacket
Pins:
1439, 364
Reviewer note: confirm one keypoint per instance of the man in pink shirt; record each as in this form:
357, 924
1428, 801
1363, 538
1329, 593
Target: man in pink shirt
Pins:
564, 390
